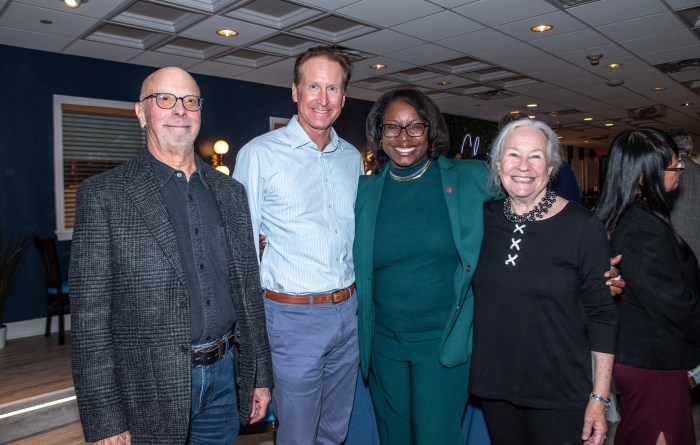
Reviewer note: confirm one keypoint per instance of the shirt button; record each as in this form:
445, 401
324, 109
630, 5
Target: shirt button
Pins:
179, 175
182, 303
325, 179
208, 302
184, 348
335, 231
196, 231
201, 267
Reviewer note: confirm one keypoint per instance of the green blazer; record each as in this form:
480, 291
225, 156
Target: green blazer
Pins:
465, 191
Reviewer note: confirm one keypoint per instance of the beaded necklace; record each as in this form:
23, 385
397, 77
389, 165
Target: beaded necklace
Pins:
540, 209
415, 175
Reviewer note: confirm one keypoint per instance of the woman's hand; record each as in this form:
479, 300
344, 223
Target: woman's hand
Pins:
614, 279
595, 425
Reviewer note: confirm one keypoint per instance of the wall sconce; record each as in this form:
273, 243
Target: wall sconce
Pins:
217, 159
73, 4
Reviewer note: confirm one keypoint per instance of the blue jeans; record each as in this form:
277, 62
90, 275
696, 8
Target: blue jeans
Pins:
214, 412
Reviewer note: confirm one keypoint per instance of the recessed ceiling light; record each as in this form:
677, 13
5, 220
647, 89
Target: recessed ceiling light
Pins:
587, 119
541, 28
444, 82
613, 66
560, 137
532, 116
74, 3
658, 88
531, 105
687, 104
609, 124
378, 66
227, 32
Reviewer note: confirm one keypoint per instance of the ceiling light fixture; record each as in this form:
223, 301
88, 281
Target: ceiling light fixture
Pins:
444, 82
687, 104
613, 66
587, 119
531, 105
227, 32
594, 59
541, 28
531, 116
609, 124
73, 4
614, 82
378, 66
658, 88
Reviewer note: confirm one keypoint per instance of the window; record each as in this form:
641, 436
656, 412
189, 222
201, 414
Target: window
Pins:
91, 136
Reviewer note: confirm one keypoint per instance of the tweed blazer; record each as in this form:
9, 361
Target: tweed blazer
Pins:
464, 190
130, 311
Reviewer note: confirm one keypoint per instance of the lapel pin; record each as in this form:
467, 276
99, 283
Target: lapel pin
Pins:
448, 189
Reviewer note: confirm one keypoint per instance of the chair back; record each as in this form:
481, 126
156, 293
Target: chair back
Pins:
48, 254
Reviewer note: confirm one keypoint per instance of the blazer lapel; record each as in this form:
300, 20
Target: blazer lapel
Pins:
451, 188
372, 192
144, 191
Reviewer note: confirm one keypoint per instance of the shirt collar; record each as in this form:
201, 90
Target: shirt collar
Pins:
298, 137
164, 172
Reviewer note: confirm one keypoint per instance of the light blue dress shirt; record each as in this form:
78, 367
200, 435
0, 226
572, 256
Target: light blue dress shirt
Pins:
303, 200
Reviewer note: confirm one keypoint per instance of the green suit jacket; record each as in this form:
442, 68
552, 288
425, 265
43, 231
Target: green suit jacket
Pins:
464, 189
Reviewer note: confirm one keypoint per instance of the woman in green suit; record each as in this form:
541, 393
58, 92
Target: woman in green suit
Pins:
418, 233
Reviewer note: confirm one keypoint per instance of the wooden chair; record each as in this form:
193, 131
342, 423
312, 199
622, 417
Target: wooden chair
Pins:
57, 291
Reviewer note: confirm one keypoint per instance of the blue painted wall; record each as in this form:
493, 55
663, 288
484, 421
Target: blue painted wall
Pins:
235, 111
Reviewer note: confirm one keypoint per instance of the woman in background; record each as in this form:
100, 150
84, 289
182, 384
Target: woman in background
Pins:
659, 335
544, 322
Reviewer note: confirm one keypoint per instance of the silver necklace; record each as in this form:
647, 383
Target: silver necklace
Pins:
540, 209
415, 175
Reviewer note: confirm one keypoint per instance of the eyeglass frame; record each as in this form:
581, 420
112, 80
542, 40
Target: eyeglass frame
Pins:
680, 169
200, 101
404, 127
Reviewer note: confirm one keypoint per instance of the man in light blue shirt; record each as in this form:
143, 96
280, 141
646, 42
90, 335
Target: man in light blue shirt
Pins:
301, 182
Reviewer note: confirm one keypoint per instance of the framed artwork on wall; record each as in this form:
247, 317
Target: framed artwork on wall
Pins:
278, 122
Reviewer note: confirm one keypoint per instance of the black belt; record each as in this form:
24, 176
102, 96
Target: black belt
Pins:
210, 354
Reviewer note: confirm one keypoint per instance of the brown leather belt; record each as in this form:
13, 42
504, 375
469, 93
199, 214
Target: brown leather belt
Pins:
329, 297
211, 354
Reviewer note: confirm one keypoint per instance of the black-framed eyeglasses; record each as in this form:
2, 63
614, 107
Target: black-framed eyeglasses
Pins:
680, 166
394, 130
167, 101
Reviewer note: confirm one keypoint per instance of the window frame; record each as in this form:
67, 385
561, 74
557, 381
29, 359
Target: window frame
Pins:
63, 233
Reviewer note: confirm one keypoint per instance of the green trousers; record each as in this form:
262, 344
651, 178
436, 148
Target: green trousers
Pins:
417, 401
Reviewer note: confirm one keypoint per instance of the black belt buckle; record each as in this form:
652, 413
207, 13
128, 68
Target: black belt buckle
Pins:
212, 354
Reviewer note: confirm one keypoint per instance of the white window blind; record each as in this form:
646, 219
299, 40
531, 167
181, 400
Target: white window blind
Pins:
93, 136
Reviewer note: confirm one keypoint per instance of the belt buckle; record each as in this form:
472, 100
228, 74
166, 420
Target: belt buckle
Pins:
340, 293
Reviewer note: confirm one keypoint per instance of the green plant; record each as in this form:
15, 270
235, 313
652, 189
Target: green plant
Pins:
11, 255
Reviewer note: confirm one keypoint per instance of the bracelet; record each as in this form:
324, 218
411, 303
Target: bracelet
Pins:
600, 399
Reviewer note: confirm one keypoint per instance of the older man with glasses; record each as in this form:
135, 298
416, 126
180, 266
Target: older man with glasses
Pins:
164, 283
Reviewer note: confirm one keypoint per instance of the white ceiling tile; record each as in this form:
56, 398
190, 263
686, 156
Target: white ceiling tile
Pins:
499, 12
65, 24
606, 12
573, 41
32, 40
671, 54
676, 39
98, 50
382, 42
482, 40
643, 27
266, 76
389, 12
439, 26
509, 54
156, 59
218, 69
425, 54
95, 9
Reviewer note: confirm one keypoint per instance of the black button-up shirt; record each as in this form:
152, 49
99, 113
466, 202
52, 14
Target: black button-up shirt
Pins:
202, 242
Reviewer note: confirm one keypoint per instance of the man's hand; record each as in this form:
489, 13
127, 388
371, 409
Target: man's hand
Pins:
261, 398
120, 439
615, 281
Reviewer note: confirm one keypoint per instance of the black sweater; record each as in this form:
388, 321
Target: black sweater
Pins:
539, 315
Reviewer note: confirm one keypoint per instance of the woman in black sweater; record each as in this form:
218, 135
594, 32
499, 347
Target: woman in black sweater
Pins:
544, 322
659, 334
